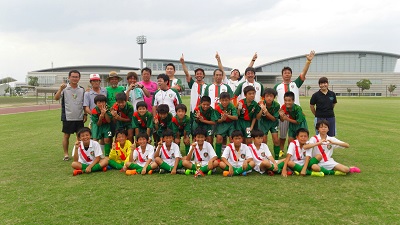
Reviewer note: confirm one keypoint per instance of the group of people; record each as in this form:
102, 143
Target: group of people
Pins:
237, 112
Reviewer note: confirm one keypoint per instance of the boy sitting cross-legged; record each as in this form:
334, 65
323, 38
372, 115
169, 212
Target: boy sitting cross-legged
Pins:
200, 152
168, 155
87, 154
298, 158
141, 158
121, 149
236, 158
262, 157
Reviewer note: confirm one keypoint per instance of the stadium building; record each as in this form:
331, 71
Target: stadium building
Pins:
343, 69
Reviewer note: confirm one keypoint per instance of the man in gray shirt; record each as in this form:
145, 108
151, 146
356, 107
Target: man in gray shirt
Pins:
72, 113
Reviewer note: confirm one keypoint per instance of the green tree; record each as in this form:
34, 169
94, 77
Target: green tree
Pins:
364, 84
308, 88
33, 81
348, 91
391, 88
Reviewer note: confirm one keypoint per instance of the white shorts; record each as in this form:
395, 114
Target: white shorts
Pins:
329, 165
283, 129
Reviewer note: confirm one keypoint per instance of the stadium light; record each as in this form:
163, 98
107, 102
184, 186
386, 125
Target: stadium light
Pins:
141, 40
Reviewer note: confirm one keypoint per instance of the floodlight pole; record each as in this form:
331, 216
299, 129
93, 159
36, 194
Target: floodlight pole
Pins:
141, 40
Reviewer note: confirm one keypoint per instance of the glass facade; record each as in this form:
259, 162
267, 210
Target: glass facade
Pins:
352, 62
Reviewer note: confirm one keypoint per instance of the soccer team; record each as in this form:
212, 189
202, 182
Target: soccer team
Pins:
237, 112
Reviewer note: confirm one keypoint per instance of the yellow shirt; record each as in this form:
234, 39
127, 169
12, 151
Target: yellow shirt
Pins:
121, 154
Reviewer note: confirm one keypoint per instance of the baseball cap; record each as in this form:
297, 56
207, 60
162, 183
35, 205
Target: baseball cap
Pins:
94, 76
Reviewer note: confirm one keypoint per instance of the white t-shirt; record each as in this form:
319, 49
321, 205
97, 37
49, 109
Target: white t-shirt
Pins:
169, 156
298, 155
214, 91
170, 97
231, 154
140, 158
91, 153
257, 85
326, 147
204, 154
196, 92
260, 154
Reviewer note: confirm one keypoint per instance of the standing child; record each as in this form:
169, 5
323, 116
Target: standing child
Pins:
168, 155
236, 158
201, 152
142, 120
323, 145
122, 112
292, 113
205, 117
269, 119
262, 157
298, 158
140, 160
135, 92
226, 123
121, 149
247, 111
162, 121
101, 127
181, 126
87, 154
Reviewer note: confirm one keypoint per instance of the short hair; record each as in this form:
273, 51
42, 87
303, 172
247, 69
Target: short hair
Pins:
302, 130
141, 104
323, 80
224, 95
180, 106
257, 133
247, 89
236, 133
289, 94
146, 69
287, 68
167, 133
236, 70
74, 71
319, 123
132, 74
163, 76
170, 64
218, 70
83, 130
205, 99
199, 131
120, 96
270, 91
250, 69
195, 71
142, 135
121, 131
100, 98
162, 108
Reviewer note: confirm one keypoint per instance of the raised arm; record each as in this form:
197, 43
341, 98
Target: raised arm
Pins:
185, 69
307, 65
253, 60
220, 66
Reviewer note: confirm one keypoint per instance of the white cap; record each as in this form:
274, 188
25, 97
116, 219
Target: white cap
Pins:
94, 77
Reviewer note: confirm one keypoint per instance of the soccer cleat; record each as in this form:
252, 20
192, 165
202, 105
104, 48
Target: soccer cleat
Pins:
354, 169
209, 172
188, 172
226, 174
295, 172
77, 172
317, 174
105, 168
161, 171
289, 173
180, 171
244, 173
131, 172
340, 173
150, 172
270, 173
109, 167
281, 153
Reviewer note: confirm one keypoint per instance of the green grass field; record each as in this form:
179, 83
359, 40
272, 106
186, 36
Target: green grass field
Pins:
38, 187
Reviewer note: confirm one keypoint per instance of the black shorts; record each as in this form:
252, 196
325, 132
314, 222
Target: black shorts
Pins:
70, 127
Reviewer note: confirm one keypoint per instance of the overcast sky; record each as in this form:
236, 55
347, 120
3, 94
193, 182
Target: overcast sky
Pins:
97, 32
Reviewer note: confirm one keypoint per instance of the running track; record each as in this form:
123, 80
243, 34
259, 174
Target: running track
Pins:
31, 108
